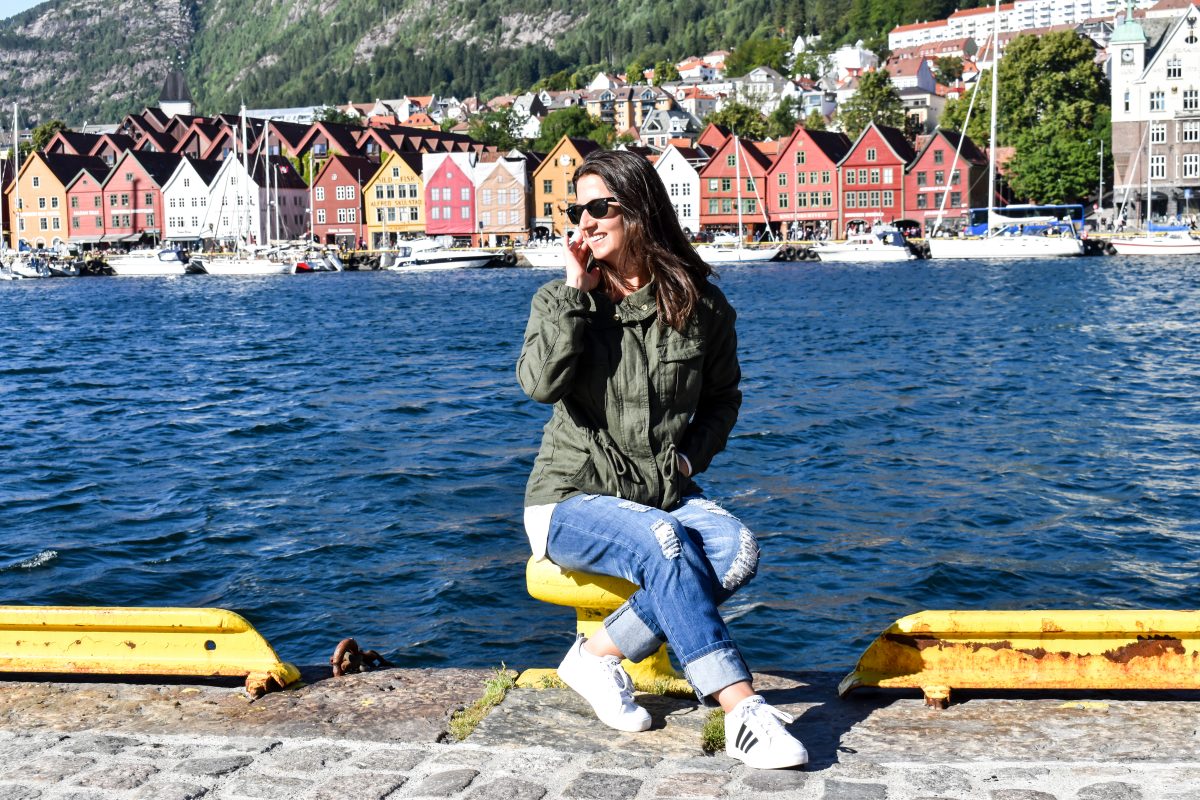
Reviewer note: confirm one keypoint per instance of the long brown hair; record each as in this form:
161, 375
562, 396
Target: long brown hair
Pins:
653, 236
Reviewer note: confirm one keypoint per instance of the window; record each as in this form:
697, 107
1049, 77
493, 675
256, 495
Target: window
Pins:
319, 193
320, 216
825, 176
731, 160
1158, 166
378, 191
783, 179
850, 174
54, 202
1191, 99
1126, 102
801, 178
395, 172
74, 222
889, 198
391, 215
783, 200
813, 197
750, 185
487, 198
1158, 100
801, 157
851, 199
922, 200
875, 175
54, 223
42, 223
874, 199
888, 174
939, 157
954, 178
1174, 68
1191, 131
390, 192
36, 181
124, 201
1191, 165
726, 205
713, 206
187, 182
341, 214
112, 201
445, 212
379, 214
149, 220
434, 213
870, 154
956, 199
464, 194
862, 176
546, 211
41, 202
1158, 132
465, 212
547, 188
149, 199
801, 200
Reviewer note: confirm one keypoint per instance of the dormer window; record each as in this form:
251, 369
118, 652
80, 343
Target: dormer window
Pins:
871, 154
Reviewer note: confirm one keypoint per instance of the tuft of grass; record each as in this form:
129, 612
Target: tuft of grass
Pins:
464, 721
712, 735
549, 681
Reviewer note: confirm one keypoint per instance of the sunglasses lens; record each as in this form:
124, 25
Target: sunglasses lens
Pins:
574, 213
598, 208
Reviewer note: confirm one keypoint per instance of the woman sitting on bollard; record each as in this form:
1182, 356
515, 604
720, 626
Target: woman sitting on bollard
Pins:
637, 351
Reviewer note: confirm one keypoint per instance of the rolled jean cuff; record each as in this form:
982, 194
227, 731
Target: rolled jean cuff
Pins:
713, 671
630, 634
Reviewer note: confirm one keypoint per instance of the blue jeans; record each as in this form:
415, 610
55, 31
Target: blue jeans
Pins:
687, 562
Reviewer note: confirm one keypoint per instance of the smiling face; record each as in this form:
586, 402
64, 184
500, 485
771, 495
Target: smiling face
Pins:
605, 236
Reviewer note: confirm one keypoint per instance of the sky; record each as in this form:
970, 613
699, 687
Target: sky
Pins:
10, 7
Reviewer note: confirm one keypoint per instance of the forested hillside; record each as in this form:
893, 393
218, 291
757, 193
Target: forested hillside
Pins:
79, 60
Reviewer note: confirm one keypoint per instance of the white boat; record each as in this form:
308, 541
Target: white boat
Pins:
882, 244
544, 254
243, 263
27, 265
432, 254
166, 261
1034, 237
717, 253
1170, 243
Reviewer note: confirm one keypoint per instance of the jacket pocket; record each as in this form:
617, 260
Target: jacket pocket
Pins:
682, 359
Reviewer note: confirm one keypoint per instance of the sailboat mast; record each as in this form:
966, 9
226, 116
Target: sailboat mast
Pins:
16, 146
737, 166
992, 126
1149, 171
245, 194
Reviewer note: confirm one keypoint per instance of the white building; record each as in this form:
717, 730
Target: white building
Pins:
679, 169
187, 214
242, 208
852, 59
1156, 113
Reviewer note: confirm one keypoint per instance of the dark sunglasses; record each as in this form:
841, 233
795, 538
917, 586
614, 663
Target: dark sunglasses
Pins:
598, 208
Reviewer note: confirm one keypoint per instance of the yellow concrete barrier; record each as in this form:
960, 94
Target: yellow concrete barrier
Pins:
202, 642
937, 651
594, 597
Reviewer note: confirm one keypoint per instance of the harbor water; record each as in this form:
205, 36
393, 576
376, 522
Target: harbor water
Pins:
345, 454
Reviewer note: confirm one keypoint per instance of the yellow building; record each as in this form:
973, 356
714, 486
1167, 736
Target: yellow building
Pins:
395, 205
553, 186
41, 219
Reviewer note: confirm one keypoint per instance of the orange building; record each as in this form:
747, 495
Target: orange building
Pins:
41, 215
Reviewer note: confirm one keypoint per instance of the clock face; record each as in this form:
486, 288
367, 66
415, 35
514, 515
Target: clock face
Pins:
1127, 56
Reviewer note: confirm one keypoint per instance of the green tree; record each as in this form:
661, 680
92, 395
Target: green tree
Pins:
633, 72
814, 121
43, 133
948, 70
782, 121
876, 100
665, 71
501, 127
335, 114
741, 119
811, 64
574, 122
758, 51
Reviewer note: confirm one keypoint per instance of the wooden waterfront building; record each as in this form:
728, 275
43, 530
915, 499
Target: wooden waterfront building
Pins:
337, 198
872, 178
394, 200
42, 218
802, 184
934, 174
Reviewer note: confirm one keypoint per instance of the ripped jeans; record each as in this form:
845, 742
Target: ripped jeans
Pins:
687, 562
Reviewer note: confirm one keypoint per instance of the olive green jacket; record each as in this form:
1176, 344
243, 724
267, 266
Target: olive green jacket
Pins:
628, 393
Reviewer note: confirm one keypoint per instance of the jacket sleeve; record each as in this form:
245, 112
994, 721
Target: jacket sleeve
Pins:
553, 341
720, 397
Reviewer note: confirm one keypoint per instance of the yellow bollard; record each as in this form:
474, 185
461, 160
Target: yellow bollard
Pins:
594, 597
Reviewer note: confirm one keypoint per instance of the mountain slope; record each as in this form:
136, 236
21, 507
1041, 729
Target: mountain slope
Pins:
79, 60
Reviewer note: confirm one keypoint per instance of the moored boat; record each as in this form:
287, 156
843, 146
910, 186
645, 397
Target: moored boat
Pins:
882, 244
166, 261
430, 254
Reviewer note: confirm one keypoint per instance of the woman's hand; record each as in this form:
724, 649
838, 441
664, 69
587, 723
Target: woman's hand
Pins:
576, 256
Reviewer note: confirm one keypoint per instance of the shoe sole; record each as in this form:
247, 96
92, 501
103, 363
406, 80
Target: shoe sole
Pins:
766, 764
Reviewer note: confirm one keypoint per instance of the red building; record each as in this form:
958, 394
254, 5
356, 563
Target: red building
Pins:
338, 200
934, 175
133, 204
872, 178
737, 173
802, 185
450, 194
85, 205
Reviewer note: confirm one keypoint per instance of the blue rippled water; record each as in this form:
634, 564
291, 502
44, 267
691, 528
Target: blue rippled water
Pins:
344, 455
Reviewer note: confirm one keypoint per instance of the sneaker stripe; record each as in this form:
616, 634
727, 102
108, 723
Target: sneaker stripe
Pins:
746, 739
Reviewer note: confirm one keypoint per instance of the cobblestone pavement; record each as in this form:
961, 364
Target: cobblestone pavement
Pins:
382, 735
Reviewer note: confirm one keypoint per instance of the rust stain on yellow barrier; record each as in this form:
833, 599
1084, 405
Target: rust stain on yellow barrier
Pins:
937, 651
202, 642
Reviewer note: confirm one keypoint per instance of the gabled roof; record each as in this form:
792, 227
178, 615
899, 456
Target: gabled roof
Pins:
158, 166
344, 137
892, 137
164, 142
206, 168
66, 168
281, 172
833, 144
72, 143
361, 168
969, 152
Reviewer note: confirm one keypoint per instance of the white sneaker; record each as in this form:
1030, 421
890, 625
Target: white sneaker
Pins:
605, 685
754, 733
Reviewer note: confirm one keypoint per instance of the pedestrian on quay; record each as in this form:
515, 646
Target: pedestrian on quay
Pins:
635, 348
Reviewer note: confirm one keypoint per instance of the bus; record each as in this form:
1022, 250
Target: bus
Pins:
977, 220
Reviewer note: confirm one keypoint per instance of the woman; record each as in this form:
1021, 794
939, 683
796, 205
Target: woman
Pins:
636, 350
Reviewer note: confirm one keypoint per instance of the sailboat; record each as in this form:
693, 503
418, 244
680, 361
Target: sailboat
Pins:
1170, 240
1008, 237
726, 248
